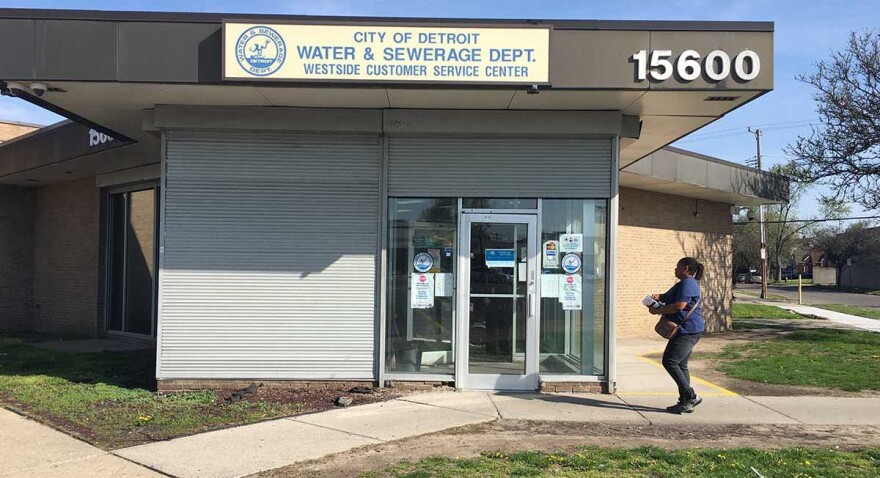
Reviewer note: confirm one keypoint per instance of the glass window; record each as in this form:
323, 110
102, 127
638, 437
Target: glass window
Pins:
572, 332
509, 203
421, 272
132, 267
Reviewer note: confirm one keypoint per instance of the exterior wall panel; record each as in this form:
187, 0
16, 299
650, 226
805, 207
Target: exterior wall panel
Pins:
656, 230
268, 269
66, 258
499, 167
16, 258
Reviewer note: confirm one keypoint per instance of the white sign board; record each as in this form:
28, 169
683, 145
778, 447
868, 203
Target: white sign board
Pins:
571, 292
399, 53
571, 243
421, 291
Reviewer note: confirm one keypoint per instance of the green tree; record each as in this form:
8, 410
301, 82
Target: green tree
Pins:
844, 151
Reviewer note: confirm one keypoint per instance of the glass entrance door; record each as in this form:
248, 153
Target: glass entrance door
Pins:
497, 337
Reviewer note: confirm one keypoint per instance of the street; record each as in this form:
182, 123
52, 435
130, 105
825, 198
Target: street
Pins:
811, 296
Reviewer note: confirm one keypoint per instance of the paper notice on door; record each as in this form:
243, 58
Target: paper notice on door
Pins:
443, 285
549, 286
521, 272
421, 291
571, 291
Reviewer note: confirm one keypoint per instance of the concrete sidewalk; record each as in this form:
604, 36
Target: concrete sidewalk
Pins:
863, 323
31, 449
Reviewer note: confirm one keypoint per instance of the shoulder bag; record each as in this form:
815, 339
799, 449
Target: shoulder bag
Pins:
667, 328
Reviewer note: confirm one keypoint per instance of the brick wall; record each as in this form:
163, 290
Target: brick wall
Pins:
16, 257
11, 130
656, 230
66, 258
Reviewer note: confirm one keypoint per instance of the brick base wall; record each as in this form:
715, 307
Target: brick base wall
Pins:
66, 258
655, 231
16, 258
573, 387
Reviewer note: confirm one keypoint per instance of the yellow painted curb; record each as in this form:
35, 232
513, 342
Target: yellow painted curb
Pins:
724, 392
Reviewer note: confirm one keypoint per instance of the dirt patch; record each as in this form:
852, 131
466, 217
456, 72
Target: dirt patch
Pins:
516, 435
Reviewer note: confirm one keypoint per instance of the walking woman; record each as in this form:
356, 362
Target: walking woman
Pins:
682, 306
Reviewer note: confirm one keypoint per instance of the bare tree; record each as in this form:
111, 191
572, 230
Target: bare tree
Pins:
844, 151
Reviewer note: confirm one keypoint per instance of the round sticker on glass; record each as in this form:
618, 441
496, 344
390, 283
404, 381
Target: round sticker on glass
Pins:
571, 263
423, 262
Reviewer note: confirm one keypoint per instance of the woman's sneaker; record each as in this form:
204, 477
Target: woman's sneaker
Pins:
694, 402
683, 406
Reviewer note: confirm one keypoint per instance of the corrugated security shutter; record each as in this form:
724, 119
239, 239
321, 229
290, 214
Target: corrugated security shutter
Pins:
499, 167
269, 256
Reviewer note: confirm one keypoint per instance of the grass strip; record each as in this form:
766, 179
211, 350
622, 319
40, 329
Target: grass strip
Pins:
830, 358
759, 311
648, 462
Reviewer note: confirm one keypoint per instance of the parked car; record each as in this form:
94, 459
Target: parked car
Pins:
751, 277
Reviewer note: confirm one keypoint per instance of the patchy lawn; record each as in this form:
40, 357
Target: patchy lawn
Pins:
829, 358
649, 462
871, 313
758, 311
108, 398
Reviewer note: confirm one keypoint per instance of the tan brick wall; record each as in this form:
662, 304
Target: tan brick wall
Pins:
66, 258
574, 387
16, 257
655, 231
12, 130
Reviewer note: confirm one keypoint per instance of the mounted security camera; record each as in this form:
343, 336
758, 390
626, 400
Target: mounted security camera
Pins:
15, 88
533, 90
39, 89
750, 215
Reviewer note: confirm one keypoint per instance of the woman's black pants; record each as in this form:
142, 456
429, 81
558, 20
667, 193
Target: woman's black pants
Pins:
675, 361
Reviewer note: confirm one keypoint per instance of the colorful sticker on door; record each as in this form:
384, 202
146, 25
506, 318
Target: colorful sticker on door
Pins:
570, 292
421, 291
571, 263
551, 255
423, 262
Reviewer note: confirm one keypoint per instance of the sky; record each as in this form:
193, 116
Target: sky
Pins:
805, 32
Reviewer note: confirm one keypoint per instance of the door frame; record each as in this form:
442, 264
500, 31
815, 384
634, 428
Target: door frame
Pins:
463, 379
108, 254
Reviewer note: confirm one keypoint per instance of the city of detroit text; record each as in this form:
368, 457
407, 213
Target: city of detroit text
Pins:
409, 52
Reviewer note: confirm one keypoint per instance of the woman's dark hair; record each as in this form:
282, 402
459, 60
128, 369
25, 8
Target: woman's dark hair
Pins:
693, 266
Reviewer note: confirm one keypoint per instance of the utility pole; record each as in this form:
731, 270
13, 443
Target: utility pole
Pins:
757, 133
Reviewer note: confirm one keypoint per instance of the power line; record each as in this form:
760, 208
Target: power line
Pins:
853, 218
730, 133
710, 133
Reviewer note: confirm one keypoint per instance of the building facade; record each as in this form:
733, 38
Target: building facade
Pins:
389, 201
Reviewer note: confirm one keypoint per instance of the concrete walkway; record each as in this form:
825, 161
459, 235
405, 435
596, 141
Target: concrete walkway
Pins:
863, 323
28, 448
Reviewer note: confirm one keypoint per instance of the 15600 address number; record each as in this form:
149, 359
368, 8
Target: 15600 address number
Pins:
717, 65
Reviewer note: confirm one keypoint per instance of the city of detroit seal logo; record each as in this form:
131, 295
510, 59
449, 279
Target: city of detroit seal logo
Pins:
260, 51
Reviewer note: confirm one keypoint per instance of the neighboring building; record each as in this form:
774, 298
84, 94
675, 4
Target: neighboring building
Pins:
14, 129
263, 219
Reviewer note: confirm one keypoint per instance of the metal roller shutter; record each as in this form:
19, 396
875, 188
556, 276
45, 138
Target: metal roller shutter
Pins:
499, 167
268, 267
